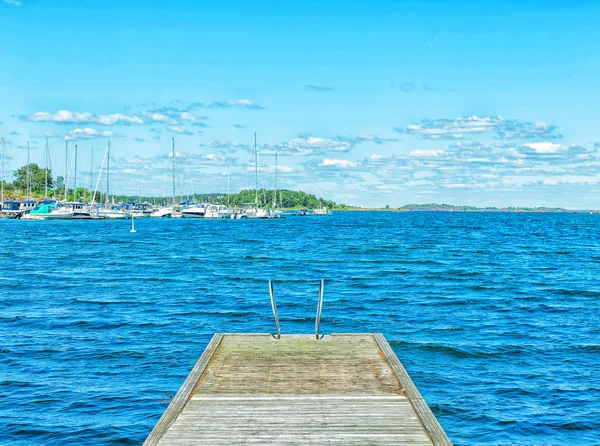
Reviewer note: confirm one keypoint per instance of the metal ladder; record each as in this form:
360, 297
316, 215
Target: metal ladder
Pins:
277, 334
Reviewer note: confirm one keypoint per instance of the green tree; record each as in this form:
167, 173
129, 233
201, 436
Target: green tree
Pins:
36, 176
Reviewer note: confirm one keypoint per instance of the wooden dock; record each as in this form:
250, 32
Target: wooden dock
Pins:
254, 389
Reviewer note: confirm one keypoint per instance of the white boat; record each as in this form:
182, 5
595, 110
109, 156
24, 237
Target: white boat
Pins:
322, 211
60, 214
217, 211
80, 210
238, 214
26, 206
49, 211
162, 212
254, 212
141, 210
112, 214
177, 212
197, 211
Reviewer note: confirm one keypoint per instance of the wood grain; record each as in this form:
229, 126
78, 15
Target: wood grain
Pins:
254, 389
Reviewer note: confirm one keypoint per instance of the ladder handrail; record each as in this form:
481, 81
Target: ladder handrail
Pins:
274, 308
319, 310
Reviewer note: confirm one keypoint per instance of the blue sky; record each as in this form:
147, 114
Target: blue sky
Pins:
367, 103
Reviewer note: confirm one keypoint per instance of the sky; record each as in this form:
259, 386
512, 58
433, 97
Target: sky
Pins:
485, 103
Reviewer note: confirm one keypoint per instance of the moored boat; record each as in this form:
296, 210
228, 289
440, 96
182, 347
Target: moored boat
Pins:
162, 212
322, 211
195, 211
216, 211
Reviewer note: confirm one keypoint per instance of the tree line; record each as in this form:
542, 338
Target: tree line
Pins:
41, 178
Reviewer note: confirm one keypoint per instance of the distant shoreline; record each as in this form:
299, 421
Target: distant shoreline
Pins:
478, 210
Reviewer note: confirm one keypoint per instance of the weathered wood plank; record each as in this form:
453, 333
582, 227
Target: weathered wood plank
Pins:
430, 422
299, 364
254, 389
183, 394
317, 419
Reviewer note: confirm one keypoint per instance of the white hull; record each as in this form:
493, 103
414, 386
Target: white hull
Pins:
218, 211
217, 216
113, 215
59, 216
162, 213
193, 215
49, 216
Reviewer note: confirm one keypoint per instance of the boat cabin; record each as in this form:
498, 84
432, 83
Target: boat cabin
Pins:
27, 205
10, 207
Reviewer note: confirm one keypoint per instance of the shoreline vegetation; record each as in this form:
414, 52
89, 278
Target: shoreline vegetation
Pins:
435, 207
286, 199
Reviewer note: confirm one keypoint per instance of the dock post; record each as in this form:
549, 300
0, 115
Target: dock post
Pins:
274, 308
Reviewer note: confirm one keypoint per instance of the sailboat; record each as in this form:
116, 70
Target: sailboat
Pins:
169, 210
274, 213
255, 211
108, 211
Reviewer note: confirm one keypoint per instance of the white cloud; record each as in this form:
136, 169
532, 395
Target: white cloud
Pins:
117, 118
214, 157
73, 117
314, 142
426, 153
89, 133
284, 150
13, 2
545, 147
179, 130
158, 117
186, 116
456, 128
343, 164
270, 169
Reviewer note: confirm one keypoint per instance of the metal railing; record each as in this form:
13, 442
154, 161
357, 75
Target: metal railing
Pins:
274, 308
319, 310
277, 334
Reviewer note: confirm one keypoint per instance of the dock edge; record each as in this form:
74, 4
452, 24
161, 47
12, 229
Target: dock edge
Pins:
183, 394
430, 423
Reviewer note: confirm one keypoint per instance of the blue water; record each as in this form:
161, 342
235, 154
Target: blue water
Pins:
495, 316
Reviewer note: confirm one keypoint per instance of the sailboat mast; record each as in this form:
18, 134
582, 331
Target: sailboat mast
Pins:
173, 173
108, 173
75, 176
28, 173
256, 169
99, 177
227, 186
3, 149
275, 190
66, 178
191, 181
92, 171
46, 159
187, 164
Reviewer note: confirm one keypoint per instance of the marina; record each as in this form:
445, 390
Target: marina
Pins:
57, 210
87, 205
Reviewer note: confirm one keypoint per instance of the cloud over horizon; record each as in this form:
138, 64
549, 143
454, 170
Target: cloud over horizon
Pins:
89, 133
72, 117
458, 128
